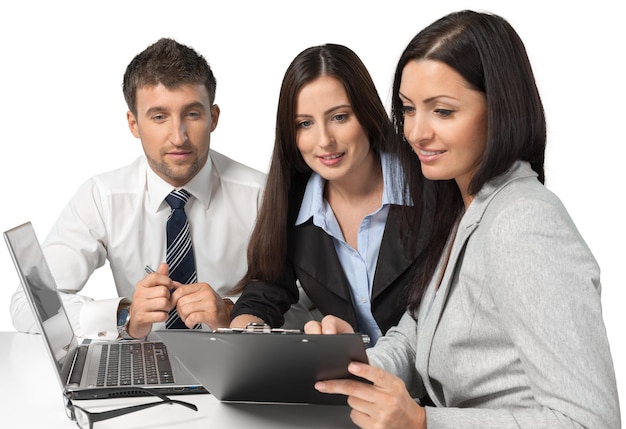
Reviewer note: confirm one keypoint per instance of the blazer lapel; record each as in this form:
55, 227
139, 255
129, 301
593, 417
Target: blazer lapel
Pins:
435, 300
393, 260
314, 253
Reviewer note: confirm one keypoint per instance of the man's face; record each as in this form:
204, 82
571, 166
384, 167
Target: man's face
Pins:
174, 125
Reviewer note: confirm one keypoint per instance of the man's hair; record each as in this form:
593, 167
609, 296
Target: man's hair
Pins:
169, 63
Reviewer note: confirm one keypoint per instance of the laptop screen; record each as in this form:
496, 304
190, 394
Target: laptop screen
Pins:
39, 284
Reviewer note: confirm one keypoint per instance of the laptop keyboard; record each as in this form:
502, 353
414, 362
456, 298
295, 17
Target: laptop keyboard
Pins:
129, 364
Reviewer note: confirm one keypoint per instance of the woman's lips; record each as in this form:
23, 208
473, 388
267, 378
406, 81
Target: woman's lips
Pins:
429, 155
331, 159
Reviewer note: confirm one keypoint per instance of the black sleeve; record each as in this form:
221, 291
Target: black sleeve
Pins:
268, 301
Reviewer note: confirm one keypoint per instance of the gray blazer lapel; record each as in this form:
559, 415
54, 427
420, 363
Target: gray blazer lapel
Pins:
435, 299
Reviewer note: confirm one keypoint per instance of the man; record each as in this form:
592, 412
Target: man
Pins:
122, 216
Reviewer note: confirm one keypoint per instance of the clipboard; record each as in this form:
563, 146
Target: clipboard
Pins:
264, 365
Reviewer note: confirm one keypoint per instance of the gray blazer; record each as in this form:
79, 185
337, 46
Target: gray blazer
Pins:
513, 337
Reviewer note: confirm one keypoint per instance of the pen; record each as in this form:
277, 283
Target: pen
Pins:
149, 270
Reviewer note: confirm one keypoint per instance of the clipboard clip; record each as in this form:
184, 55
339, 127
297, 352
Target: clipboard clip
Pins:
264, 328
259, 328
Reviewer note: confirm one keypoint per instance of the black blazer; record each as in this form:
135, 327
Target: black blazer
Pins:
312, 259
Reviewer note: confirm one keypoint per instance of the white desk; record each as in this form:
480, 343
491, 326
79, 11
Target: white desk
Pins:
31, 397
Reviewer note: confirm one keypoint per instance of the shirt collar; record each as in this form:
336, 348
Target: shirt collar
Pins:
518, 171
313, 199
199, 186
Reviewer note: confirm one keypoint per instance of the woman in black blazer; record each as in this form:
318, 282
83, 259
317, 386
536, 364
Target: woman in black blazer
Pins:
336, 215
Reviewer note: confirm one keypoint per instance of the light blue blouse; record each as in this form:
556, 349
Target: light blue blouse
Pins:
359, 265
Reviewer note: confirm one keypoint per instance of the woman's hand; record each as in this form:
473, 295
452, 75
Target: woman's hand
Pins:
384, 404
329, 325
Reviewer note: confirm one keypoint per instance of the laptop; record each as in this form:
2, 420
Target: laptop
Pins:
271, 366
90, 369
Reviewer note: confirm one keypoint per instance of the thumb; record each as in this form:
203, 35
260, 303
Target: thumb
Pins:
163, 269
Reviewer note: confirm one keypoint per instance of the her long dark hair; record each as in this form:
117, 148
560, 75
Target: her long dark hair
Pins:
488, 53
288, 173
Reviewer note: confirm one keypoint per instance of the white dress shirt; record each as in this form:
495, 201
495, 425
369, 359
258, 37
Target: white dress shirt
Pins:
121, 216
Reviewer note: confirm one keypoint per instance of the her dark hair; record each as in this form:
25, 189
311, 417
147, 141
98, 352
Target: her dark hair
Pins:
489, 54
288, 173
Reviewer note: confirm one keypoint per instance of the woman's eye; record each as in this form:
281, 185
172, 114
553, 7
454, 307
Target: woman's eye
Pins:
444, 113
304, 124
407, 110
340, 117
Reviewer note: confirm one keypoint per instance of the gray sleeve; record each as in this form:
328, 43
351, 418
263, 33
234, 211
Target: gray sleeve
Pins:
545, 285
395, 352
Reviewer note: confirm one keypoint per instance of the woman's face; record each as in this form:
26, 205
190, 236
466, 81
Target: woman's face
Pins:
445, 121
328, 133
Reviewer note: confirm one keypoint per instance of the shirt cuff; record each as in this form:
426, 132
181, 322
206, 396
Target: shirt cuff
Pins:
98, 319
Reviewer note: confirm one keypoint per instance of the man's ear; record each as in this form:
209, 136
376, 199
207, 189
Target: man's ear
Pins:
215, 116
132, 123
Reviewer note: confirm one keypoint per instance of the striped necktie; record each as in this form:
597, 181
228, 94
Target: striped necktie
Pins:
179, 253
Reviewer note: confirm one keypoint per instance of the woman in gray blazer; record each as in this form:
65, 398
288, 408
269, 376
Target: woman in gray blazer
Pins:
504, 325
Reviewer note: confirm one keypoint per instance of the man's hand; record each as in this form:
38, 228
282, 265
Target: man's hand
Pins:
156, 295
151, 302
199, 303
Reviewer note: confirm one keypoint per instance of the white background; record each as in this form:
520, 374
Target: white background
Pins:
62, 112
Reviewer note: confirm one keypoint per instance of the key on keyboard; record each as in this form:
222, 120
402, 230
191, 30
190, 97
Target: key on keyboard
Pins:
127, 364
